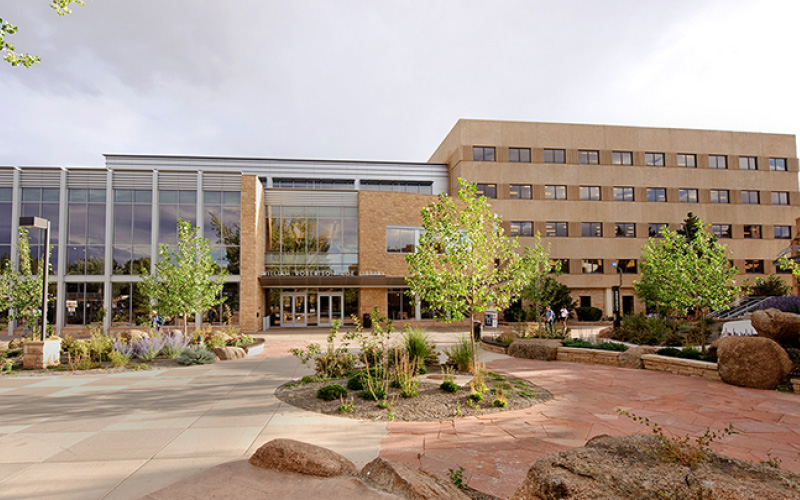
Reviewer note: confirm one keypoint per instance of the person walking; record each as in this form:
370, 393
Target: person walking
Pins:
549, 319
564, 316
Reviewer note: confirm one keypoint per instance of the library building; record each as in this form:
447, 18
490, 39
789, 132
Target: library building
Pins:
306, 242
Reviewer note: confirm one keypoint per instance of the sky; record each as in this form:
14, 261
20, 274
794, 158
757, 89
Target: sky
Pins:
381, 79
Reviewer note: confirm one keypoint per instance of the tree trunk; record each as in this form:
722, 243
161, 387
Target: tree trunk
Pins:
474, 344
185, 325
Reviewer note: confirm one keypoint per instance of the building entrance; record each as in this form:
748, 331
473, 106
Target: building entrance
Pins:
293, 309
331, 307
311, 308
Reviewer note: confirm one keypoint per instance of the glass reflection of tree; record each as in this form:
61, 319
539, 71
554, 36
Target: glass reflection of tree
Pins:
303, 236
132, 266
230, 236
91, 266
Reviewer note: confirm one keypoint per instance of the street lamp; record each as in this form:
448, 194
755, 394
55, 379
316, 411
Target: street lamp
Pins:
617, 291
41, 223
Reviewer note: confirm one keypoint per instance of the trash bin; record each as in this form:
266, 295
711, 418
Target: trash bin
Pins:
476, 330
366, 321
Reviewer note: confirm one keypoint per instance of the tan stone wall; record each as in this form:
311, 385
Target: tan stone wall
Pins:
678, 366
370, 298
588, 356
376, 211
253, 238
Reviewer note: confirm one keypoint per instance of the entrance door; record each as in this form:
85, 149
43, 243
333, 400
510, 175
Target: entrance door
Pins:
331, 307
293, 309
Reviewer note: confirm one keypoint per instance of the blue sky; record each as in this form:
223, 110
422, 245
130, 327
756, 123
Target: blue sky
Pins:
381, 80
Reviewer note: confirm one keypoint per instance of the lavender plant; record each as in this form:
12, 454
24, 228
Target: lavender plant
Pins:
147, 349
174, 344
790, 304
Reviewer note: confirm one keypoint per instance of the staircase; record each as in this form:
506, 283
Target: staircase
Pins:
739, 308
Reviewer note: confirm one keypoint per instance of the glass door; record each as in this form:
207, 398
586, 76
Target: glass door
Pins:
331, 307
293, 309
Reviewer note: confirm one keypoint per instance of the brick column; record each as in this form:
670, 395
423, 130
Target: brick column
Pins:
253, 238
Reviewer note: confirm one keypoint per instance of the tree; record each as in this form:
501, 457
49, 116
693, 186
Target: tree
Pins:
773, 286
690, 271
62, 8
184, 281
21, 290
547, 291
464, 263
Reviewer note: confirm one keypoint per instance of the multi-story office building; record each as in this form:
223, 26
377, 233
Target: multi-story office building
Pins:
309, 241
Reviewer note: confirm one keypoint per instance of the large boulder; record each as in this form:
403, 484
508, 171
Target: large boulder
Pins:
135, 335
542, 349
227, 353
634, 468
303, 458
779, 326
755, 362
632, 358
408, 481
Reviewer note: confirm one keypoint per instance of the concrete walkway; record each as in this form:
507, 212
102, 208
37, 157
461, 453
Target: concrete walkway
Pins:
121, 436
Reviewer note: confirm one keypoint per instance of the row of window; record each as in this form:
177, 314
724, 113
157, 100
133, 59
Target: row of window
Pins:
629, 266
626, 193
422, 187
628, 230
592, 157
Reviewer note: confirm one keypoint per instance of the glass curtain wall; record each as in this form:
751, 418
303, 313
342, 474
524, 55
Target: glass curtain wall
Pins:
174, 205
84, 304
221, 225
128, 305
86, 231
132, 230
6, 195
312, 241
42, 202
228, 311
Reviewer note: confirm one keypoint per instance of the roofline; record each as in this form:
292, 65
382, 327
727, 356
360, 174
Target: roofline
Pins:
283, 160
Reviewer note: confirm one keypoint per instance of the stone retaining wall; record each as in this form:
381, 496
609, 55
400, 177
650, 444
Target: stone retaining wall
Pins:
590, 356
679, 366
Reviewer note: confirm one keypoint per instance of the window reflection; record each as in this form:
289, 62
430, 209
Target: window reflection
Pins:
132, 230
86, 230
222, 227
42, 202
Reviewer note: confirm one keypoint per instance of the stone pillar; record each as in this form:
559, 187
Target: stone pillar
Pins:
253, 239
38, 355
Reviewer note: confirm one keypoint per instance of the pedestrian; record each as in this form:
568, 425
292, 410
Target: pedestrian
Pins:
564, 316
549, 319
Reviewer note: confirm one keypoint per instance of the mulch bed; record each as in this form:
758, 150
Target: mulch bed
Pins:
432, 404
64, 371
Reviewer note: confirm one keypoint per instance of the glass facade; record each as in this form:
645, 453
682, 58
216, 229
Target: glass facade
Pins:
128, 305
84, 304
222, 215
42, 202
312, 241
86, 231
132, 230
6, 197
174, 205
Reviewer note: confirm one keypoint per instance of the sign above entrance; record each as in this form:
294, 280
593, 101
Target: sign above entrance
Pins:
321, 272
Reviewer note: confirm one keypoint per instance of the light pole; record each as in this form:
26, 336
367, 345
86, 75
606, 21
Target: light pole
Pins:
41, 223
617, 292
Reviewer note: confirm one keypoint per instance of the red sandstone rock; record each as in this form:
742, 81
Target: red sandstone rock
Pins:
779, 326
304, 458
226, 353
632, 358
755, 362
408, 481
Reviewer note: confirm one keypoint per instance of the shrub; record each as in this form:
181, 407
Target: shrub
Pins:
460, 355
216, 339
448, 386
147, 349
356, 382
773, 286
118, 359
99, 345
500, 400
196, 355
687, 353
476, 396
589, 313
637, 329
331, 392
174, 344
604, 346
376, 394
334, 364
419, 347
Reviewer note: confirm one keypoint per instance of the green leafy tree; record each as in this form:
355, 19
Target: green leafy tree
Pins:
464, 263
10, 54
184, 281
689, 271
21, 289
547, 291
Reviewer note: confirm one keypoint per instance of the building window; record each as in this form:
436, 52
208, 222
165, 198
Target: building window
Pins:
174, 205
402, 239
687, 160
555, 192
555, 156
747, 163
521, 228
718, 161
41, 202
228, 310
590, 193
316, 184
556, 230
656, 229
564, 265
586, 301
721, 230
750, 198
487, 190
783, 232
623, 193
128, 303
400, 305
777, 164
591, 229
622, 158
657, 194
592, 266
6, 198
86, 231
482, 153
654, 159
754, 266
625, 230
780, 198
720, 196
687, 195
420, 187
519, 155
588, 157
222, 216
752, 232
626, 266
83, 303
132, 228
519, 191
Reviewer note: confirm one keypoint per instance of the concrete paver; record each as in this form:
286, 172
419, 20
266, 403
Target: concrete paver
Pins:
125, 435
